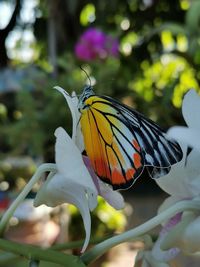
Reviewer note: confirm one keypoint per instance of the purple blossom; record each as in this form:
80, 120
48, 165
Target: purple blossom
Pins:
94, 44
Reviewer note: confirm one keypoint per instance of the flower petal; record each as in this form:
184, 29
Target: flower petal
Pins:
174, 237
191, 237
77, 134
168, 202
70, 163
152, 262
72, 102
192, 164
58, 190
72, 108
114, 198
171, 253
194, 187
92, 173
191, 109
175, 182
193, 173
188, 136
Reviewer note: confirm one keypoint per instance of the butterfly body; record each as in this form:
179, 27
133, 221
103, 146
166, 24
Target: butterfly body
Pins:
121, 142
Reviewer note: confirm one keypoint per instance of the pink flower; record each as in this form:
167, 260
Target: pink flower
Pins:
93, 44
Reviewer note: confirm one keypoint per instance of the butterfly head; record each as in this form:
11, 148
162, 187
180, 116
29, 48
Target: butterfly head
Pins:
87, 92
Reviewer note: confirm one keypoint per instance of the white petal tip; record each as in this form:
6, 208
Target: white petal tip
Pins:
83, 249
59, 88
62, 91
86, 243
114, 198
59, 131
74, 94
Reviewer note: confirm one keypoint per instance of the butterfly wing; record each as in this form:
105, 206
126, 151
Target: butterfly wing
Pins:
120, 142
112, 148
160, 152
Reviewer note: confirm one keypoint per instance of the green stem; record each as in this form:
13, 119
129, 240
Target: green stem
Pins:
102, 247
77, 244
35, 253
7, 258
8, 214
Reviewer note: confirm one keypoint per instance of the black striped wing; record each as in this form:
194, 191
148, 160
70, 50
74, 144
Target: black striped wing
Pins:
159, 151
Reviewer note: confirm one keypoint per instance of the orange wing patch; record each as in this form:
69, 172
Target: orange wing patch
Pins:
137, 160
130, 174
117, 177
136, 145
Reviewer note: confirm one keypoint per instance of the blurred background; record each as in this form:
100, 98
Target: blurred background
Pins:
145, 53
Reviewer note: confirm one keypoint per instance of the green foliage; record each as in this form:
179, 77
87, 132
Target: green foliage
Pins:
168, 72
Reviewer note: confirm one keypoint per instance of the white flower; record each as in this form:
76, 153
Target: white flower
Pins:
75, 181
191, 113
71, 184
152, 255
185, 235
183, 182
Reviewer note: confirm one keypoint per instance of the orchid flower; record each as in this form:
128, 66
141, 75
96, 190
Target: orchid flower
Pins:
191, 110
71, 183
75, 181
182, 183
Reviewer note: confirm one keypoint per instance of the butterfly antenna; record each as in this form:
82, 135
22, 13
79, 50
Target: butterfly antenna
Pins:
88, 77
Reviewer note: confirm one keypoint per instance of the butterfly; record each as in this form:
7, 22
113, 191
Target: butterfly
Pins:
120, 142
